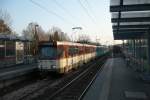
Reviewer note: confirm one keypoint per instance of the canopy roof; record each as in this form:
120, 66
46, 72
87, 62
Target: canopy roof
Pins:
12, 37
130, 18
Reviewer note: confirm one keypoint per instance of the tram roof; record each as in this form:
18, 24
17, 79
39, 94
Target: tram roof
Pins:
130, 18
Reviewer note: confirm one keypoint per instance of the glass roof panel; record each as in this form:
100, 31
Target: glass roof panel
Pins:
131, 14
133, 23
137, 19
114, 2
129, 2
135, 14
114, 15
131, 28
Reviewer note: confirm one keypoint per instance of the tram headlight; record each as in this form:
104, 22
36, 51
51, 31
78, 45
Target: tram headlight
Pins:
53, 66
40, 66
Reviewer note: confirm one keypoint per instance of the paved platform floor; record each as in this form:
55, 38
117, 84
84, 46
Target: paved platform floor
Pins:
118, 82
10, 72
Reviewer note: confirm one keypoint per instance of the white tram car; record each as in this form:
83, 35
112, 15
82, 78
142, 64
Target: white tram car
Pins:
63, 56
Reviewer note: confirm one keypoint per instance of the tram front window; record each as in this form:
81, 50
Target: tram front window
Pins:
49, 53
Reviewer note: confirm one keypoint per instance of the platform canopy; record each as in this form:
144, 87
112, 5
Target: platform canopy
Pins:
130, 18
12, 37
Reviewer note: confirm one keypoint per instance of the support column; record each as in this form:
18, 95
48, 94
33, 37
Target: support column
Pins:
146, 74
123, 43
123, 46
148, 47
134, 48
140, 50
134, 54
132, 51
5, 47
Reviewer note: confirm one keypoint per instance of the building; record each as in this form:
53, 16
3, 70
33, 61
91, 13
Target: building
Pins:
14, 50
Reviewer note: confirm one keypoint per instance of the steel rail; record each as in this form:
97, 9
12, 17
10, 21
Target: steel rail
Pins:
93, 79
45, 86
72, 81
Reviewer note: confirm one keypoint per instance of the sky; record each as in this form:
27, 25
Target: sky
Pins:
92, 15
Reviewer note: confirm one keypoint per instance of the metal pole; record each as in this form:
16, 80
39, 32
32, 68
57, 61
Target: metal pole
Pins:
148, 69
36, 42
5, 47
133, 52
141, 63
74, 28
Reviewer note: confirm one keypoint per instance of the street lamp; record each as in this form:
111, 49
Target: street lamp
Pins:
35, 32
36, 40
76, 28
80, 28
97, 41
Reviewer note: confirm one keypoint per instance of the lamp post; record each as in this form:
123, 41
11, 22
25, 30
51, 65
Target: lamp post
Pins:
76, 28
97, 41
36, 40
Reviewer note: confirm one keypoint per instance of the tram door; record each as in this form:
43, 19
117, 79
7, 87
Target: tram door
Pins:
19, 52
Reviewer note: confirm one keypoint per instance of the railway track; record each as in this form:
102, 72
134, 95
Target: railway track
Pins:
75, 89
11, 85
71, 89
50, 88
26, 90
55, 87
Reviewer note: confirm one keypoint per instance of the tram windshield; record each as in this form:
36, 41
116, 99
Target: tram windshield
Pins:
47, 52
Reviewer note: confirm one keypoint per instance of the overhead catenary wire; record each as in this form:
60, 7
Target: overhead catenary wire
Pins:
66, 10
86, 11
51, 12
90, 8
59, 16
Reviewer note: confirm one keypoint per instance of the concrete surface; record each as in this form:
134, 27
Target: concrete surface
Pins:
118, 82
14, 71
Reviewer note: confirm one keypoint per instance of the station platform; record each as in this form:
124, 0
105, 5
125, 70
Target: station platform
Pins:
18, 70
118, 82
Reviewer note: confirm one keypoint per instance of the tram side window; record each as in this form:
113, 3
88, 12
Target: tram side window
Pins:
10, 48
2, 49
87, 50
80, 50
70, 51
73, 51
76, 50
60, 52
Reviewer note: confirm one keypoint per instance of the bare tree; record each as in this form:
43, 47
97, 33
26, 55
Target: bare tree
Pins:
35, 33
32, 29
29, 31
56, 34
84, 39
5, 16
64, 37
5, 22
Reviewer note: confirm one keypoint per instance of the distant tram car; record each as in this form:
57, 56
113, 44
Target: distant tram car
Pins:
63, 56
